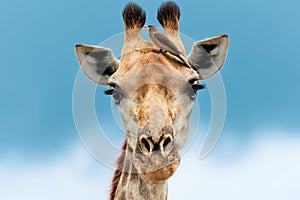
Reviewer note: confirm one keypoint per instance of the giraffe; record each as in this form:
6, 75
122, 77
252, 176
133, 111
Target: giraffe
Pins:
154, 92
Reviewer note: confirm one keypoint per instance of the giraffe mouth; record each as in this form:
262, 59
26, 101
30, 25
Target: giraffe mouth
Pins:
156, 168
161, 174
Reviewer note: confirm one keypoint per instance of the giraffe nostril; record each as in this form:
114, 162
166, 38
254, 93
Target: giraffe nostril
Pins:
163, 146
166, 142
146, 145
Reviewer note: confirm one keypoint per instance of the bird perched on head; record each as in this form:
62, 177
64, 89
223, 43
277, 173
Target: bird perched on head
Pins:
165, 44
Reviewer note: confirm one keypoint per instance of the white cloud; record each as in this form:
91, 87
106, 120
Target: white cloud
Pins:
270, 169
75, 175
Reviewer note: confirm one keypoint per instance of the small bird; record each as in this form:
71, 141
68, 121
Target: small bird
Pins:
165, 44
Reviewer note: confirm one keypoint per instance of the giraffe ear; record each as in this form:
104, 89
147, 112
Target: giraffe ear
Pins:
97, 63
208, 56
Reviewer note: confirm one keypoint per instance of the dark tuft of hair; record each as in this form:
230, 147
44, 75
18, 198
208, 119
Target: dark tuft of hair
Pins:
134, 16
168, 15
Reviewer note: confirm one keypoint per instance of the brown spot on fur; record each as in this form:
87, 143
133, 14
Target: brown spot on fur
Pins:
147, 91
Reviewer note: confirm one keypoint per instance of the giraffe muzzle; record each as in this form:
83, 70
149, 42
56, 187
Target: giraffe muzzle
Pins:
156, 158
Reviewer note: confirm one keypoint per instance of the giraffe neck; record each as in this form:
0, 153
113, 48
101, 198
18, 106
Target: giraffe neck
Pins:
127, 184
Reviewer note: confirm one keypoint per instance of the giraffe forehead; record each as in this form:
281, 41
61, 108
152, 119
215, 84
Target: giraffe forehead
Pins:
150, 61
153, 74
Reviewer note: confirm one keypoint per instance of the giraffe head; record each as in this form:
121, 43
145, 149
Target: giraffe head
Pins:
154, 92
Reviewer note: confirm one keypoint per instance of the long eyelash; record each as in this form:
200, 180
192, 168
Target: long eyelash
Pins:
197, 87
109, 92
192, 81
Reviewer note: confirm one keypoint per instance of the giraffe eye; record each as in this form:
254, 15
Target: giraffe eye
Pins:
193, 91
193, 95
117, 97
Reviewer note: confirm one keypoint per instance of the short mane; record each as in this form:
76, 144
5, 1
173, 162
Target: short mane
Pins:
118, 172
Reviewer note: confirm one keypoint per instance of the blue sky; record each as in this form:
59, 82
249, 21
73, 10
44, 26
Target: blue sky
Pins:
39, 64
38, 69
